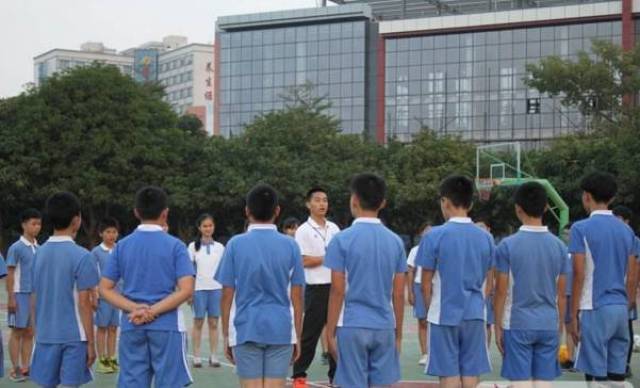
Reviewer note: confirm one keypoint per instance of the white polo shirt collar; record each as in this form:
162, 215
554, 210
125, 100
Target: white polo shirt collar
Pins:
105, 248
262, 227
28, 243
601, 213
535, 229
461, 220
314, 224
149, 228
57, 239
367, 220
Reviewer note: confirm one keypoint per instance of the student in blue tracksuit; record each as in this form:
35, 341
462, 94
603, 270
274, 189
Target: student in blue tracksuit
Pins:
157, 277
456, 258
625, 214
64, 280
604, 276
530, 309
20, 274
366, 302
107, 317
262, 277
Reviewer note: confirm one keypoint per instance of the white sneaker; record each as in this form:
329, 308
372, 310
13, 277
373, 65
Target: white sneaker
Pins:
423, 359
213, 362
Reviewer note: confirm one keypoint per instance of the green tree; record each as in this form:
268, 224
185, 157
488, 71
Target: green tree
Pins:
596, 83
291, 149
190, 123
92, 131
602, 85
414, 171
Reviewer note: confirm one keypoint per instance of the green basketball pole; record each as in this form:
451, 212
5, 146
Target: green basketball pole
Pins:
558, 209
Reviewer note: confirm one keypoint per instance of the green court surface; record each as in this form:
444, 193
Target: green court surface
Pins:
224, 377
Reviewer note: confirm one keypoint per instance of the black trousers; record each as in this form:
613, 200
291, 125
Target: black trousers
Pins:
630, 345
316, 306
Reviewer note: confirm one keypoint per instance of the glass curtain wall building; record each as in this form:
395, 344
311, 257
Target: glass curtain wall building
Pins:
471, 83
261, 57
393, 67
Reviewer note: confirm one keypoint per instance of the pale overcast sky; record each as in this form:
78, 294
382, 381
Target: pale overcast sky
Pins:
31, 27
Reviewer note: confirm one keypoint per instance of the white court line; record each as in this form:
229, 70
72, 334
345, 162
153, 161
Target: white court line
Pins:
309, 383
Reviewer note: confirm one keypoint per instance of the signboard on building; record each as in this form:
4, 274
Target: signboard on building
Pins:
145, 65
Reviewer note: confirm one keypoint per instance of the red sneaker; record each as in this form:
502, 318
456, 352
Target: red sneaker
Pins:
300, 382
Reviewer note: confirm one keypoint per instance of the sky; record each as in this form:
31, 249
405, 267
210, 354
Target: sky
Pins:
31, 27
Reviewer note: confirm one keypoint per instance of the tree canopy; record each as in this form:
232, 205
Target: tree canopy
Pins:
101, 135
604, 84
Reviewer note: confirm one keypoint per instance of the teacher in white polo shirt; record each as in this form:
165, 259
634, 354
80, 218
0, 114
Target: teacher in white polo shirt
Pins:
314, 236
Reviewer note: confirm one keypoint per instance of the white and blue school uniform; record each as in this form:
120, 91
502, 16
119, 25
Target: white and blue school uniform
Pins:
460, 254
568, 288
261, 266
106, 315
370, 255
530, 320
3, 273
633, 313
150, 263
208, 292
607, 244
419, 307
20, 257
61, 270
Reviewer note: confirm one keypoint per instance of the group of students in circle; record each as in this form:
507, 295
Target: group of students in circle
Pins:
277, 294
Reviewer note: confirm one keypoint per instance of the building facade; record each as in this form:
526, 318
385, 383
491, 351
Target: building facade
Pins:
463, 74
185, 70
58, 60
262, 56
187, 73
453, 66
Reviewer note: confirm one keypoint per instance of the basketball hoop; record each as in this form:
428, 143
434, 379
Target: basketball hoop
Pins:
484, 185
494, 164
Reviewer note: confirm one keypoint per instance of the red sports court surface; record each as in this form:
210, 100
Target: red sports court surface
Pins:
404, 384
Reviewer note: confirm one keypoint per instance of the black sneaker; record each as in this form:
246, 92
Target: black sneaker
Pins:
325, 358
567, 365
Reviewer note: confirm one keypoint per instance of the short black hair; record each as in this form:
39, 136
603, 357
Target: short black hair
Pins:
370, 189
623, 212
532, 198
458, 189
601, 185
151, 201
61, 208
262, 201
313, 190
290, 222
29, 214
108, 222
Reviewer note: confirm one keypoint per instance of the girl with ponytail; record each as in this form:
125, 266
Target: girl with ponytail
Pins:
206, 255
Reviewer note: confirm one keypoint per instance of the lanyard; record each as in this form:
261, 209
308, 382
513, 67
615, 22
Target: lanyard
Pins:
318, 232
